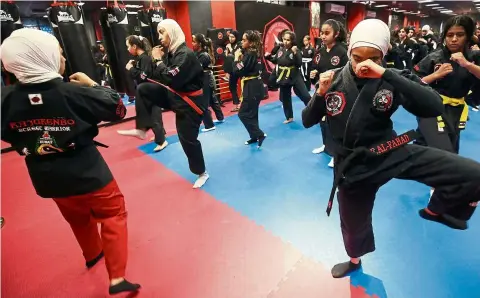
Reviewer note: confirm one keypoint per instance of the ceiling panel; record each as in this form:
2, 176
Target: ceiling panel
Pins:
428, 8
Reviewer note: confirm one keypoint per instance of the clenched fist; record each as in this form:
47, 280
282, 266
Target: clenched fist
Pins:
325, 82
313, 74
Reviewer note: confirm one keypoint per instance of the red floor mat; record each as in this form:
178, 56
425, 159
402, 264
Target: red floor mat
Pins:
182, 242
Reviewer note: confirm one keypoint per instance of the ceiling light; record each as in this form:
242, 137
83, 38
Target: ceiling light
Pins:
434, 4
446, 11
402, 10
425, 1
382, 5
440, 7
476, 0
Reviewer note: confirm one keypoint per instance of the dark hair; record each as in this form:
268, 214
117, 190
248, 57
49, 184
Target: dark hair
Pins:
293, 36
255, 39
141, 42
463, 21
280, 34
236, 34
206, 45
337, 28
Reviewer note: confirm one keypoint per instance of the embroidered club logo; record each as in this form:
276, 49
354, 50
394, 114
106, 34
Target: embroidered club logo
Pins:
220, 35
279, 54
335, 103
335, 60
317, 59
219, 50
290, 56
143, 76
382, 101
309, 52
437, 66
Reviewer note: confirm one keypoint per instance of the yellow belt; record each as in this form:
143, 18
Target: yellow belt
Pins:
242, 83
390, 63
284, 72
454, 102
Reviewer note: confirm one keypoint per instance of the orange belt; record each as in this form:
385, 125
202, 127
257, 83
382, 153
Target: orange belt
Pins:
183, 95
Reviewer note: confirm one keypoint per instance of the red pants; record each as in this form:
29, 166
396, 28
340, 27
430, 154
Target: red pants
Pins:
106, 206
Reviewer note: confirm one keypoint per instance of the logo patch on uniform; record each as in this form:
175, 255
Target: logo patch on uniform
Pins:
46, 144
335, 60
290, 56
317, 59
35, 99
309, 52
335, 103
279, 54
383, 100
143, 75
220, 35
437, 66
174, 71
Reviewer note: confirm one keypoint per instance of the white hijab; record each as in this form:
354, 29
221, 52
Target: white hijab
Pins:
33, 56
370, 33
177, 37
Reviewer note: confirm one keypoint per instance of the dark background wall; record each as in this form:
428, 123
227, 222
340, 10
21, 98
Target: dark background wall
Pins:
253, 15
200, 16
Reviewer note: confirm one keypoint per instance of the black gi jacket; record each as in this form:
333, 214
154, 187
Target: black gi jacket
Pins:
182, 72
286, 58
53, 124
143, 68
456, 84
323, 60
358, 113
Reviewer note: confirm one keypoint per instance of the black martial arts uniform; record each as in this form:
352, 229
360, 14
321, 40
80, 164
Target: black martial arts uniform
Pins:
393, 58
53, 124
208, 90
233, 80
307, 56
143, 69
369, 154
288, 75
444, 132
323, 61
183, 74
249, 69
407, 48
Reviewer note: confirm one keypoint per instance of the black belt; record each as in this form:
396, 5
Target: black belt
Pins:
379, 149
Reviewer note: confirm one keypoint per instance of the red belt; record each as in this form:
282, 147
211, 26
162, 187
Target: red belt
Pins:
183, 95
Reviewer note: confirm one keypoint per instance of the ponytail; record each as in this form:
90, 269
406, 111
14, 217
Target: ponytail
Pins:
209, 45
141, 42
338, 28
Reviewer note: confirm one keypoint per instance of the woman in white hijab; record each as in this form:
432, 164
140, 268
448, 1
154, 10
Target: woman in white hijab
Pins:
178, 87
358, 101
53, 124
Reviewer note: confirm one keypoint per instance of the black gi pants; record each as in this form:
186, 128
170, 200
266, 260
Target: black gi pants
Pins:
149, 116
186, 119
457, 189
286, 95
449, 139
232, 85
213, 102
253, 93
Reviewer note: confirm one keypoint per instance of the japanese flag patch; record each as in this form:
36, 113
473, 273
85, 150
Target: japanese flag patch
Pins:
35, 99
